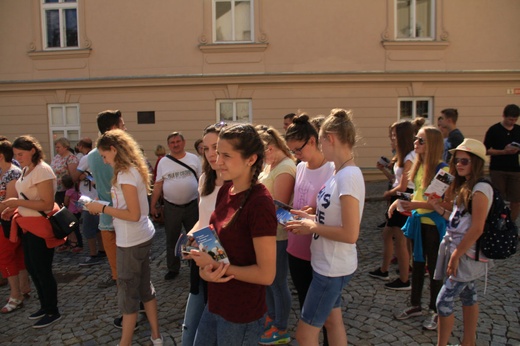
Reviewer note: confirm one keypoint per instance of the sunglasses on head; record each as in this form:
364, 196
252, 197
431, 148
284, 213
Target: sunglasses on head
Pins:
462, 161
420, 140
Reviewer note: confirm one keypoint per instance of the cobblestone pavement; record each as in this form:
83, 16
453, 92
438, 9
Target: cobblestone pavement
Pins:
88, 312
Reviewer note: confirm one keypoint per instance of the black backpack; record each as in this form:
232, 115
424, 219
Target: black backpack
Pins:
500, 236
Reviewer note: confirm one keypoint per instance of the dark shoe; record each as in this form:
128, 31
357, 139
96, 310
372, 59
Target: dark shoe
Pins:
47, 320
109, 282
378, 274
91, 261
170, 275
37, 315
102, 254
118, 323
409, 312
398, 285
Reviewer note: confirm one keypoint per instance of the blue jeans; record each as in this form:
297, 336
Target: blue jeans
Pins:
192, 314
278, 294
324, 295
214, 330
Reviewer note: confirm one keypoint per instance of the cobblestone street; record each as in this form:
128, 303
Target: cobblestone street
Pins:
88, 312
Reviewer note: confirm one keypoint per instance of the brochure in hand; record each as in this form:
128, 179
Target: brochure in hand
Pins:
403, 196
83, 201
439, 184
283, 214
206, 240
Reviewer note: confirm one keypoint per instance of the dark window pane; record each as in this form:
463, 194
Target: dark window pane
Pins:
406, 109
422, 109
223, 21
146, 117
69, 1
50, 1
52, 18
71, 24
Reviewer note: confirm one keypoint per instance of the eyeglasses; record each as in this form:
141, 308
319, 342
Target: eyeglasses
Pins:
462, 161
298, 151
419, 139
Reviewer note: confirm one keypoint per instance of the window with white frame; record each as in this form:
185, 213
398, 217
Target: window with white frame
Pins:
60, 24
233, 21
235, 111
411, 108
64, 121
415, 19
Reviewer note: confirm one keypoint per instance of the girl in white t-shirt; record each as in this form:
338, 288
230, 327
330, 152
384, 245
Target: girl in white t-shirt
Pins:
210, 183
336, 229
134, 230
456, 259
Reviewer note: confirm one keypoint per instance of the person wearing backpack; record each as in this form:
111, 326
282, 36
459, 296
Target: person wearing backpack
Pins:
457, 252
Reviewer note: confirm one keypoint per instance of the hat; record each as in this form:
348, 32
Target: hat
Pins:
472, 146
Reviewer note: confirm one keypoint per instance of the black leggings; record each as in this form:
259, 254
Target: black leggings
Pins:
430, 246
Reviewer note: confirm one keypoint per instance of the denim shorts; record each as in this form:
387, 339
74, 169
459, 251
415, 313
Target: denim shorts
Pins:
105, 222
214, 330
90, 224
446, 298
324, 295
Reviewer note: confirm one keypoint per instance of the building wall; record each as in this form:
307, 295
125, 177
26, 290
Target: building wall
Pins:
308, 55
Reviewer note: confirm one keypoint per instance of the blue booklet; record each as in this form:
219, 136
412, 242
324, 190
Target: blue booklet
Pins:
206, 240
283, 214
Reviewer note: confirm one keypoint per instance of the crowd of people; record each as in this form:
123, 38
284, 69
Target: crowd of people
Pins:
231, 185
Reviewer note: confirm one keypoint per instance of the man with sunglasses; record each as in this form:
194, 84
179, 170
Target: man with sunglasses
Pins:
177, 180
501, 144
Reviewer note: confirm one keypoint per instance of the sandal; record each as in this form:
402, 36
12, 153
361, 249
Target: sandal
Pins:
12, 304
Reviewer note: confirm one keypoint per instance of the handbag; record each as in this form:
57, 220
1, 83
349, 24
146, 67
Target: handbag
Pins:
63, 222
6, 226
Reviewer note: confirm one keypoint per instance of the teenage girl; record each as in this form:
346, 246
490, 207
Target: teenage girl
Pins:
457, 251
336, 229
402, 134
425, 227
245, 221
210, 182
134, 230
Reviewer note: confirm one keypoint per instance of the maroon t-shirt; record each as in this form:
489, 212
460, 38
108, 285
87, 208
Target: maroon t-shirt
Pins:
238, 301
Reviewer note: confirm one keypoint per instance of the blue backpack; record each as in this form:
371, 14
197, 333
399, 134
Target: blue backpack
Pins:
500, 237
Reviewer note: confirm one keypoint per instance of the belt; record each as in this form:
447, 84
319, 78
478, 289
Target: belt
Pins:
181, 205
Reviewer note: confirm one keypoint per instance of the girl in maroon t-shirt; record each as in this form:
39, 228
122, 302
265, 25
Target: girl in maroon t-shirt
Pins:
245, 221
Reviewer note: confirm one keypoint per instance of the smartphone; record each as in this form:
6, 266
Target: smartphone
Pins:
515, 144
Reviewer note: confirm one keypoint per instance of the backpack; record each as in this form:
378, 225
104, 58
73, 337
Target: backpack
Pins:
500, 236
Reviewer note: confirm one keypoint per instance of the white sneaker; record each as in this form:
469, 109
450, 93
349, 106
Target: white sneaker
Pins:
430, 323
157, 342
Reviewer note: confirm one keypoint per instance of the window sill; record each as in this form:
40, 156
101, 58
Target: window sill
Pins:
233, 48
415, 45
59, 54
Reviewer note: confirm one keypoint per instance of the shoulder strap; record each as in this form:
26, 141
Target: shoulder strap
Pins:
184, 165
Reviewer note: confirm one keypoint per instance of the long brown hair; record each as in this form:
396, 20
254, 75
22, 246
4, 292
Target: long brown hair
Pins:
404, 132
462, 187
210, 175
434, 147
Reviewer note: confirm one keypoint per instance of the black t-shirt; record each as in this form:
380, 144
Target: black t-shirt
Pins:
497, 137
455, 137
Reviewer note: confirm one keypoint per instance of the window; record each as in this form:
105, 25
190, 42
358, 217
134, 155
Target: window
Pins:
233, 21
60, 24
411, 108
234, 111
415, 19
64, 122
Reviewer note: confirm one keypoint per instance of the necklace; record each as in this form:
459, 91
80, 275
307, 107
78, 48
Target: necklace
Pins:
344, 163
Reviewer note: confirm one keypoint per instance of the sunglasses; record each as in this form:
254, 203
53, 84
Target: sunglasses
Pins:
462, 161
218, 126
298, 151
420, 140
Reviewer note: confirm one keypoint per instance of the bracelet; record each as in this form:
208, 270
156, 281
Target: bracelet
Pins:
103, 209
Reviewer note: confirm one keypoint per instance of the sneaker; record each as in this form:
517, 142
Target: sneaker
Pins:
378, 274
398, 285
63, 248
170, 275
268, 323
76, 249
118, 323
37, 315
90, 261
47, 320
430, 323
274, 336
157, 342
109, 282
409, 312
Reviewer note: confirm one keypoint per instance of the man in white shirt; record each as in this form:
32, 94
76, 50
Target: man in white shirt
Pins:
177, 180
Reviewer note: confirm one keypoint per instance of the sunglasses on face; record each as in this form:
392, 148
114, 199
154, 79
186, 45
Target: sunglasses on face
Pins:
420, 140
462, 161
299, 150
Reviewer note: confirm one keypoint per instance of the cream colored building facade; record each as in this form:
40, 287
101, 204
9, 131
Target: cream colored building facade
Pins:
179, 65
